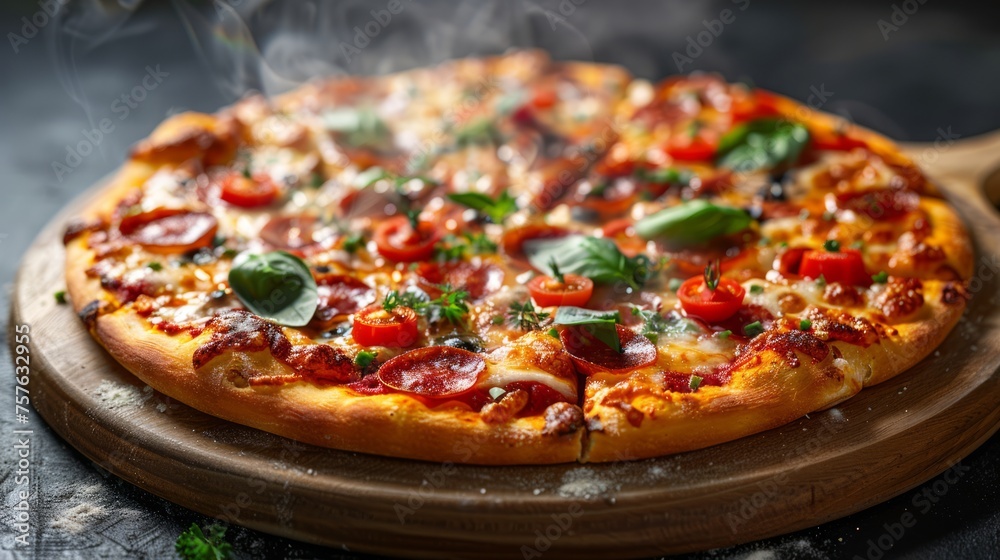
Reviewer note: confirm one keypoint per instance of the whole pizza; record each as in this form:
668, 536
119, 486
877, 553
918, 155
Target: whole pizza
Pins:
515, 260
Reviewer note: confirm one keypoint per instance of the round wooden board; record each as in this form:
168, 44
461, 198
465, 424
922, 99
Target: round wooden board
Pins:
881, 443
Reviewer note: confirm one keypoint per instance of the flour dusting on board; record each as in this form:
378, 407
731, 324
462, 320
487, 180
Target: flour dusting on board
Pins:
583, 483
83, 509
119, 395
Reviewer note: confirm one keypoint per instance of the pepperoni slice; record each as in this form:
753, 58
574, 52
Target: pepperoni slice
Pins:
291, 233
339, 295
170, 230
591, 355
479, 280
512, 243
434, 371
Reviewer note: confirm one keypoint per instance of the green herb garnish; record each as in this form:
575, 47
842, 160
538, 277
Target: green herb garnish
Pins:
353, 242
364, 359
724, 334
805, 324
155, 266
596, 258
276, 286
194, 544
753, 329
60, 296
762, 143
695, 383
756, 289
525, 317
693, 222
881, 277
600, 324
832, 245
497, 210
654, 324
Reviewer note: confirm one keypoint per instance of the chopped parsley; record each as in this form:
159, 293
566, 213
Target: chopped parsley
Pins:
805, 324
194, 544
497, 210
450, 305
723, 334
695, 383
353, 242
155, 266
756, 289
832, 245
364, 359
880, 278
753, 329
654, 324
525, 317
554, 333
60, 296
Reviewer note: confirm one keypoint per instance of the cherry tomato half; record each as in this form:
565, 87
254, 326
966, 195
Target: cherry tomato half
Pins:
711, 305
547, 291
691, 149
397, 240
246, 192
374, 326
845, 266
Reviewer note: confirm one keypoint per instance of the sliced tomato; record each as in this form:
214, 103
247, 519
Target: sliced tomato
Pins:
398, 241
711, 305
169, 230
248, 192
544, 98
591, 355
339, 295
684, 148
374, 326
547, 291
845, 266
433, 371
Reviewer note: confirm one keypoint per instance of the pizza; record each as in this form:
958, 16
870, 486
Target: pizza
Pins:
516, 260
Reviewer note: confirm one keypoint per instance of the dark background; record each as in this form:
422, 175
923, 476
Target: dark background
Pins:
939, 68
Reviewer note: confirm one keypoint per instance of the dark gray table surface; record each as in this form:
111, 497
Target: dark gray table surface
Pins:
938, 68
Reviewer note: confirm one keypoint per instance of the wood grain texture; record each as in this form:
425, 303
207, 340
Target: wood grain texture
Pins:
886, 440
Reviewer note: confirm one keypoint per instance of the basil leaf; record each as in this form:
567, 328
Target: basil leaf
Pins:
277, 286
692, 222
600, 324
478, 131
763, 143
496, 210
370, 176
360, 127
596, 258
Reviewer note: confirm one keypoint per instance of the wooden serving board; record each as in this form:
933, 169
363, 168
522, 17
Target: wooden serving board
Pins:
881, 443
